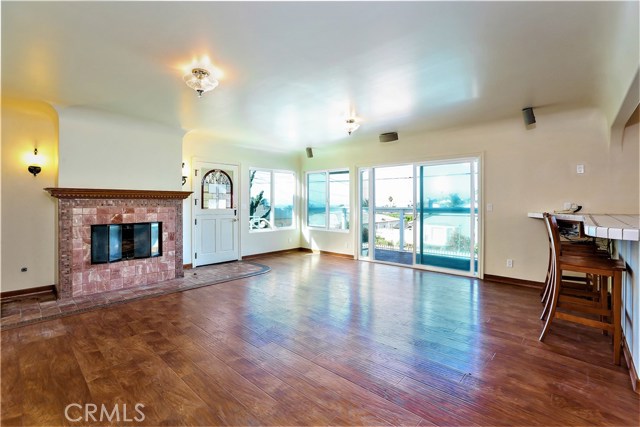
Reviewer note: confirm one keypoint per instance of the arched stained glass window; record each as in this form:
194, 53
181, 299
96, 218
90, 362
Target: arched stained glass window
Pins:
217, 190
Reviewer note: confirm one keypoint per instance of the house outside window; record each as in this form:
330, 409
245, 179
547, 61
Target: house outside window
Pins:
271, 199
328, 200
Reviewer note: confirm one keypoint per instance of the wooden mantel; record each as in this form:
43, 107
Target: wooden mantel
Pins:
102, 193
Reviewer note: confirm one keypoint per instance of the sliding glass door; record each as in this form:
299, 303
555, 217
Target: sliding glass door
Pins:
423, 214
365, 215
393, 214
386, 214
447, 212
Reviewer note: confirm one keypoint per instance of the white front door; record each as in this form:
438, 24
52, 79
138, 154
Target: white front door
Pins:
215, 213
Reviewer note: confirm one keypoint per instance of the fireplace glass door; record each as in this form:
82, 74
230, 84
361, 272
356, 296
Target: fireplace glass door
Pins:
118, 242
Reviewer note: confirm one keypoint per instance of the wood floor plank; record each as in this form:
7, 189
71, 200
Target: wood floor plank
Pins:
40, 404
10, 382
326, 395
385, 409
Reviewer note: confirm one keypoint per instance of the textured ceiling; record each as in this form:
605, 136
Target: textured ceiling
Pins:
294, 70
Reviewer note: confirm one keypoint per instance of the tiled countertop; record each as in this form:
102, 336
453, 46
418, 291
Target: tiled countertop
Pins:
609, 226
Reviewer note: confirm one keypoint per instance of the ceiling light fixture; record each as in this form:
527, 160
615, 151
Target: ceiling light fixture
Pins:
352, 126
200, 80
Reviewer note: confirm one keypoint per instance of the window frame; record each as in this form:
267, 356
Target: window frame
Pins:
327, 226
272, 187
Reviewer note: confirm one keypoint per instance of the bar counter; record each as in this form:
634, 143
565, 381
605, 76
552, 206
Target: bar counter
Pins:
607, 226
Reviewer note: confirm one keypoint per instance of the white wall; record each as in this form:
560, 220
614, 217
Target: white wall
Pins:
29, 214
207, 148
102, 150
620, 66
524, 171
79, 148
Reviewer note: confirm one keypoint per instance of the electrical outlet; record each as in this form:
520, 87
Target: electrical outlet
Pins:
489, 207
580, 169
509, 263
567, 205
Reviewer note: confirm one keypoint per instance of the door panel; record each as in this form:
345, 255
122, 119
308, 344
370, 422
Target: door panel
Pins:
447, 213
215, 213
393, 213
227, 234
365, 190
207, 236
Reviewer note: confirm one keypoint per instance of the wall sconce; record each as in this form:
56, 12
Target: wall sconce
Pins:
184, 175
35, 168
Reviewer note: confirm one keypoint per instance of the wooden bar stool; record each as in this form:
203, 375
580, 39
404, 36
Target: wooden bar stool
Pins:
582, 310
579, 286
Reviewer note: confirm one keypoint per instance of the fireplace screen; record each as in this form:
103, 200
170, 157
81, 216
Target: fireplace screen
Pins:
118, 242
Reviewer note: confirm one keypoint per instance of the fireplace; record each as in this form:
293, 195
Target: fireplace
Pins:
118, 242
141, 232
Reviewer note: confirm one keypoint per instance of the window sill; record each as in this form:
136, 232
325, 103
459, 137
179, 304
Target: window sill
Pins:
330, 230
271, 230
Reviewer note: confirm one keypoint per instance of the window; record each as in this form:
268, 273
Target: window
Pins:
328, 200
272, 195
217, 190
283, 197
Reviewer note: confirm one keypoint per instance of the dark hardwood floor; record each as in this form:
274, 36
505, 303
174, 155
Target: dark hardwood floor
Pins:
319, 340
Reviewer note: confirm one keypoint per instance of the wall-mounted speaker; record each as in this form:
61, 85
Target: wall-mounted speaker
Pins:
388, 137
309, 152
527, 114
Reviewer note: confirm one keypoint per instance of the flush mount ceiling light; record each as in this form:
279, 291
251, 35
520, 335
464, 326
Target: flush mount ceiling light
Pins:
352, 126
200, 80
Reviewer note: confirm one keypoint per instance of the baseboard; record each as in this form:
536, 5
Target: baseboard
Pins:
306, 250
281, 252
187, 266
633, 374
513, 281
316, 251
339, 255
30, 292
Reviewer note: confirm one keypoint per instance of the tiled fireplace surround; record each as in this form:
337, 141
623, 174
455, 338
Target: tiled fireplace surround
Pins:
78, 209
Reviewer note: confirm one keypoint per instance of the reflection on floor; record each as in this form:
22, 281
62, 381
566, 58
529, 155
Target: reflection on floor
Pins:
29, 310
443, 261
399, 257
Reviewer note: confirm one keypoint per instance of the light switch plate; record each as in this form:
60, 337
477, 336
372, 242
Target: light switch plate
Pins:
580, 169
